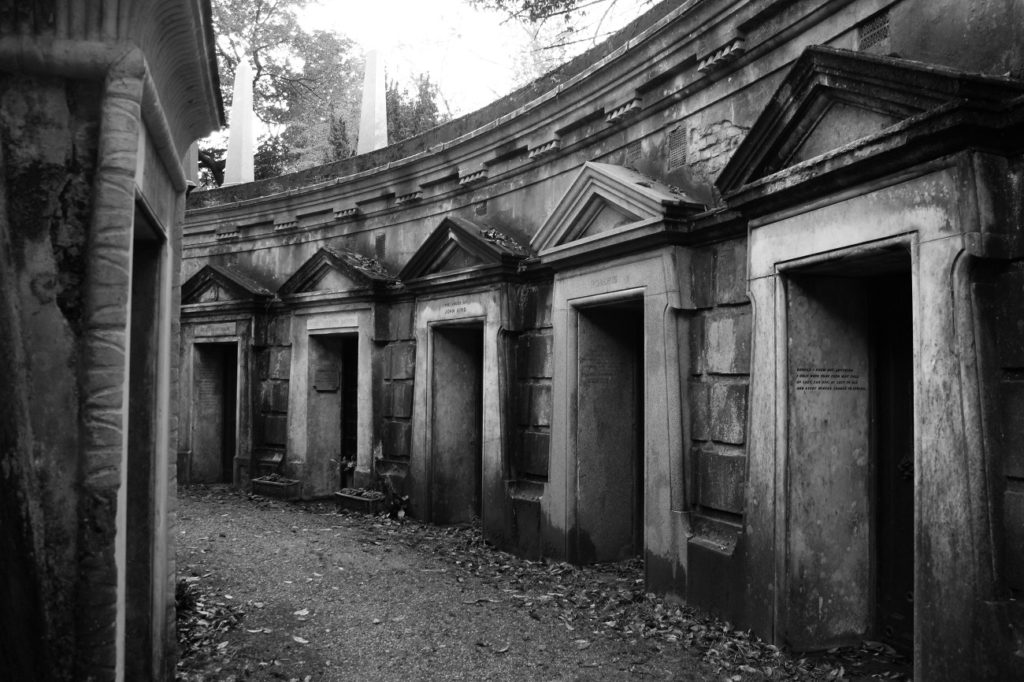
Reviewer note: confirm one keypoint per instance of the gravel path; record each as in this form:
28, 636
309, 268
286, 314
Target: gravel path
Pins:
276, 591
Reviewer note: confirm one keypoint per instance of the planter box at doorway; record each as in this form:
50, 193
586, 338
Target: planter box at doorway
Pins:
357, 499
281, 488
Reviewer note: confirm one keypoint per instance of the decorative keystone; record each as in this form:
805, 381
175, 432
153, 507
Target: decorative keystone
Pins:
623, 111
545, 148
722, 56
475, 176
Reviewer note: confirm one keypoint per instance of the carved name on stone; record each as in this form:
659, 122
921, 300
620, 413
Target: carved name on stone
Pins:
459, 307
221, 329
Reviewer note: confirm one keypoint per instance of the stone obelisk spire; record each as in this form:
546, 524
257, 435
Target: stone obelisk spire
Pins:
238, 166
373, 121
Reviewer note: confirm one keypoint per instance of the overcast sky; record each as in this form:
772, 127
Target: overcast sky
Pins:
469, 53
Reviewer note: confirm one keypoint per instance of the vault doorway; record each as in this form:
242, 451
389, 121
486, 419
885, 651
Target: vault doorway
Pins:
893, 413
333, 409
456, 424
851, 453
609, 432
145, 349
215, 406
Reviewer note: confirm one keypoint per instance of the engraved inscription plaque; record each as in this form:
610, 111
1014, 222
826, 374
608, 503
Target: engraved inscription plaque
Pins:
326, 380
828, 379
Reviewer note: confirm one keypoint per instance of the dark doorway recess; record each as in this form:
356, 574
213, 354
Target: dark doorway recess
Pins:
609, 433
143, 381
333, 407
851, 452
215, 433
893, 373
456, 424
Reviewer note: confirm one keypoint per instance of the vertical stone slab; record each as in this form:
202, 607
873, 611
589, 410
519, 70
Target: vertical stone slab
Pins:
829, 570
763, 470
608, 430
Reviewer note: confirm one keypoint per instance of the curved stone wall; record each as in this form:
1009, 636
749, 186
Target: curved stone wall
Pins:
495, 254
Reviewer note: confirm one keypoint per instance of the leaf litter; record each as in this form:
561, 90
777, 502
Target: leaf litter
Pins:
604, 601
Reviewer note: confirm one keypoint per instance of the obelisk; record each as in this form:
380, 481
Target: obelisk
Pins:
373, 120
238, 166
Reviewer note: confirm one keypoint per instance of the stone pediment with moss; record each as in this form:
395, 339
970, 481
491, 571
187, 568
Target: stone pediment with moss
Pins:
337, 270
863, 115
215, 283
609, 205
462, 248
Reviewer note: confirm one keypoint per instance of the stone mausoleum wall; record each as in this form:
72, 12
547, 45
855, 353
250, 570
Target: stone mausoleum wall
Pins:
100, 101
573, 313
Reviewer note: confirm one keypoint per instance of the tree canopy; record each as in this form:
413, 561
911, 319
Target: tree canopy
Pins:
307, 87
533, 10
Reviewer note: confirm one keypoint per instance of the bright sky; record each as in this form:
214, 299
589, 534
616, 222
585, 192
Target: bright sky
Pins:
470, 54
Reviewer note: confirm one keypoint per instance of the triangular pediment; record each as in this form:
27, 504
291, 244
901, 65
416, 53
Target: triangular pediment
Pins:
833, 100
839, 124
336, 270
216, 283
598, 215
604, 198
460, 245
213, 293
333, 280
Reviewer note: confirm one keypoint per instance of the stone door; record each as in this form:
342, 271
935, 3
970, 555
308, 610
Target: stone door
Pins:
214, 409
456, 424
332, 410
851, 504
609, 440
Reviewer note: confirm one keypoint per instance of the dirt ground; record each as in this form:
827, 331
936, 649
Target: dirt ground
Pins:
270, 590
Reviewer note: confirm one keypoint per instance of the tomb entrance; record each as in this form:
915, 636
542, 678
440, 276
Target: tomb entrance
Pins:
333, 408
215, 406
850, 562
456, 423
610, 432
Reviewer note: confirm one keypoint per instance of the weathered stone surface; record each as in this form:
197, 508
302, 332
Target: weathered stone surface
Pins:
401, 360
261, 364
531, 306
279, 363
400, 321
522, 405
395, 440
731, 273
702, 277
263, 396
401, 399
279, 396
698, 344
720, 481
275, 429
535, 356
728, 341
700, 410
272, 396
729, 410
540, 404
279, 330
533, 459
